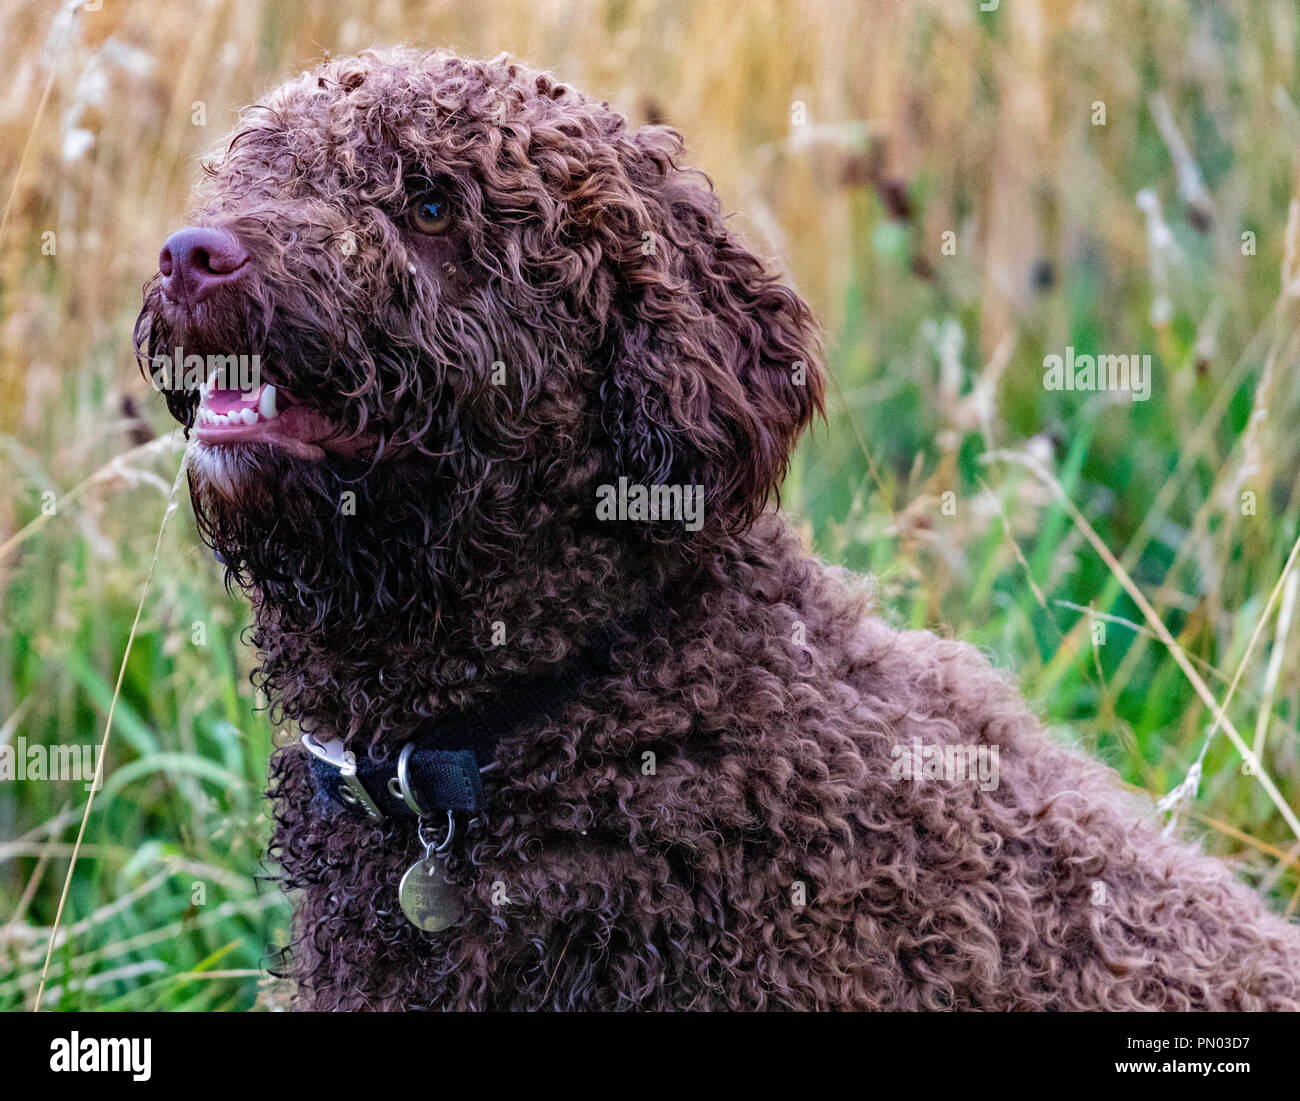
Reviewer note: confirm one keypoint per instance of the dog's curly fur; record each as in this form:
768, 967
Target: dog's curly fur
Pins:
631, 334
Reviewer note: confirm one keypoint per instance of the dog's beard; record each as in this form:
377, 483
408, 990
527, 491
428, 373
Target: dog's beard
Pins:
335, 545
231, 473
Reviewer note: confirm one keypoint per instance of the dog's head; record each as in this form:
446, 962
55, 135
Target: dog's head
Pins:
467, 298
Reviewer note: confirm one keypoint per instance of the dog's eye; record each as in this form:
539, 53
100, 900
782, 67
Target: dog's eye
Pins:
430, 213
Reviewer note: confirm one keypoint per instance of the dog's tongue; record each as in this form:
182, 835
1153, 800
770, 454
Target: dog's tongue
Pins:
224, 401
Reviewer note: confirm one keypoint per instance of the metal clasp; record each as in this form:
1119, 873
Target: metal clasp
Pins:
351, 790
403, 780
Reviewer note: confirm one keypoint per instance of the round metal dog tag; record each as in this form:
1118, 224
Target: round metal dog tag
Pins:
428, 900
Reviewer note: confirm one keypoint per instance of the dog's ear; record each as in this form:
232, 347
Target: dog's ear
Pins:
711, 366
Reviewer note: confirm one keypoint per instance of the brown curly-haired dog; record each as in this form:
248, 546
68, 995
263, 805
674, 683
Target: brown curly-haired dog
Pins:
480, 298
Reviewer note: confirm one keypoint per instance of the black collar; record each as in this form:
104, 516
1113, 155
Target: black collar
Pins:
440, 769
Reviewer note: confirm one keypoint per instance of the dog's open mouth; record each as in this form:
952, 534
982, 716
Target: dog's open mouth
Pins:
266, 414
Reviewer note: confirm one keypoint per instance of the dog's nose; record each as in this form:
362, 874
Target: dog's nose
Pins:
197, 260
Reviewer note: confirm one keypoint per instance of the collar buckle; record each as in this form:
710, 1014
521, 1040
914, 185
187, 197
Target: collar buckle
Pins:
351, 790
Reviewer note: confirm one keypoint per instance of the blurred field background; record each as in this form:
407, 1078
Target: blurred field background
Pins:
851, 136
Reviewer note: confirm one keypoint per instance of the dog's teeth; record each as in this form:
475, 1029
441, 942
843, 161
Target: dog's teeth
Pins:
248, 416
266, 403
